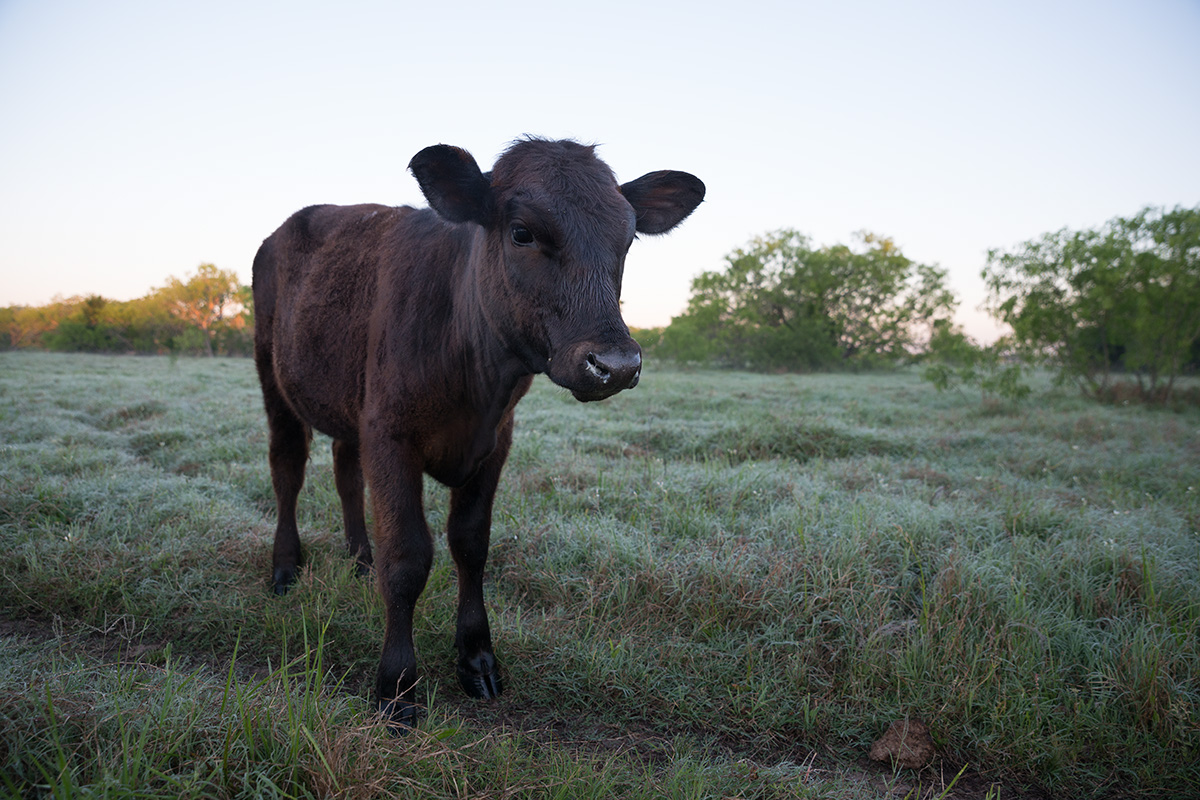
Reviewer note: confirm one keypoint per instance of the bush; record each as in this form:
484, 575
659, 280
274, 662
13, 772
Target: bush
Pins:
954, 360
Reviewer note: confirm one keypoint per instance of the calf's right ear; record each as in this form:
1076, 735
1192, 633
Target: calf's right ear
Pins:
452, 183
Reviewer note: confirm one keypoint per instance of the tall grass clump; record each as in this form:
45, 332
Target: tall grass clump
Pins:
84, 727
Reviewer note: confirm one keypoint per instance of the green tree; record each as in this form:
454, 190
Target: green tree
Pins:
147, 324
781, 303
207, 301
1121, 298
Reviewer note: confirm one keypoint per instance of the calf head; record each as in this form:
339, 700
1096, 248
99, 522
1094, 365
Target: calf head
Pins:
557, 227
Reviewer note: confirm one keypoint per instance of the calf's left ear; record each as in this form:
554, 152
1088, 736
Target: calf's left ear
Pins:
452, 183
663, 199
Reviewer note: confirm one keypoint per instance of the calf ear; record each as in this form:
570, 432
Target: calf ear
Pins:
452, 183
663, 199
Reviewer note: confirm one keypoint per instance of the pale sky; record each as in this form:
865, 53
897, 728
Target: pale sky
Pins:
141, 139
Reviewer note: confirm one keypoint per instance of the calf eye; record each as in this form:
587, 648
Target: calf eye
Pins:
521, 236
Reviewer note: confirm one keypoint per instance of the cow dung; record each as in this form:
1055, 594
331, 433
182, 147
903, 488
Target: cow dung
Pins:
906, 742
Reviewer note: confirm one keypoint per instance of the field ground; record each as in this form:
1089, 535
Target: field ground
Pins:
714, 585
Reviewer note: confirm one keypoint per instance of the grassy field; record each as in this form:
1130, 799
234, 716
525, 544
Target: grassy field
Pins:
715, 585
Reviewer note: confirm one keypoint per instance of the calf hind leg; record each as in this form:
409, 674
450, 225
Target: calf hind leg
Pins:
347, 474
288, 455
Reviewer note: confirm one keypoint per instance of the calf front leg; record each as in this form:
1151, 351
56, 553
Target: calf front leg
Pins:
469, 533
405, 554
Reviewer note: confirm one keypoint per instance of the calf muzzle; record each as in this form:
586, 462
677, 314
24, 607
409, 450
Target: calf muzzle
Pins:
594, 371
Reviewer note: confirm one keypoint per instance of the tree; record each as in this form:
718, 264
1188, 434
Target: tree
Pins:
87, 328
206, 300
235, 336
781, 303
147, 324
1121, 298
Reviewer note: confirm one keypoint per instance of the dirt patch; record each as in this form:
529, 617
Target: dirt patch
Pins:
905, 742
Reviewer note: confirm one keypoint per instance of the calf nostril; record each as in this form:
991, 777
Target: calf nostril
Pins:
595, 368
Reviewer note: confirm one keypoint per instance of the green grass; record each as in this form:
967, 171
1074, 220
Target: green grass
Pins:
717, 584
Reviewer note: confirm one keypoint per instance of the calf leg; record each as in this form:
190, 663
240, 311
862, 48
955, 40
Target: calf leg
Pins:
347, 475
288, 454
469, 533
405, 554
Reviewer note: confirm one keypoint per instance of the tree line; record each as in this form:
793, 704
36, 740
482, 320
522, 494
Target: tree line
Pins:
1107, 307
207, 313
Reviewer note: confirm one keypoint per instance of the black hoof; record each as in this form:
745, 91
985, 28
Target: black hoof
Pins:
362, 560
480, 677
399, 715
283, 579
